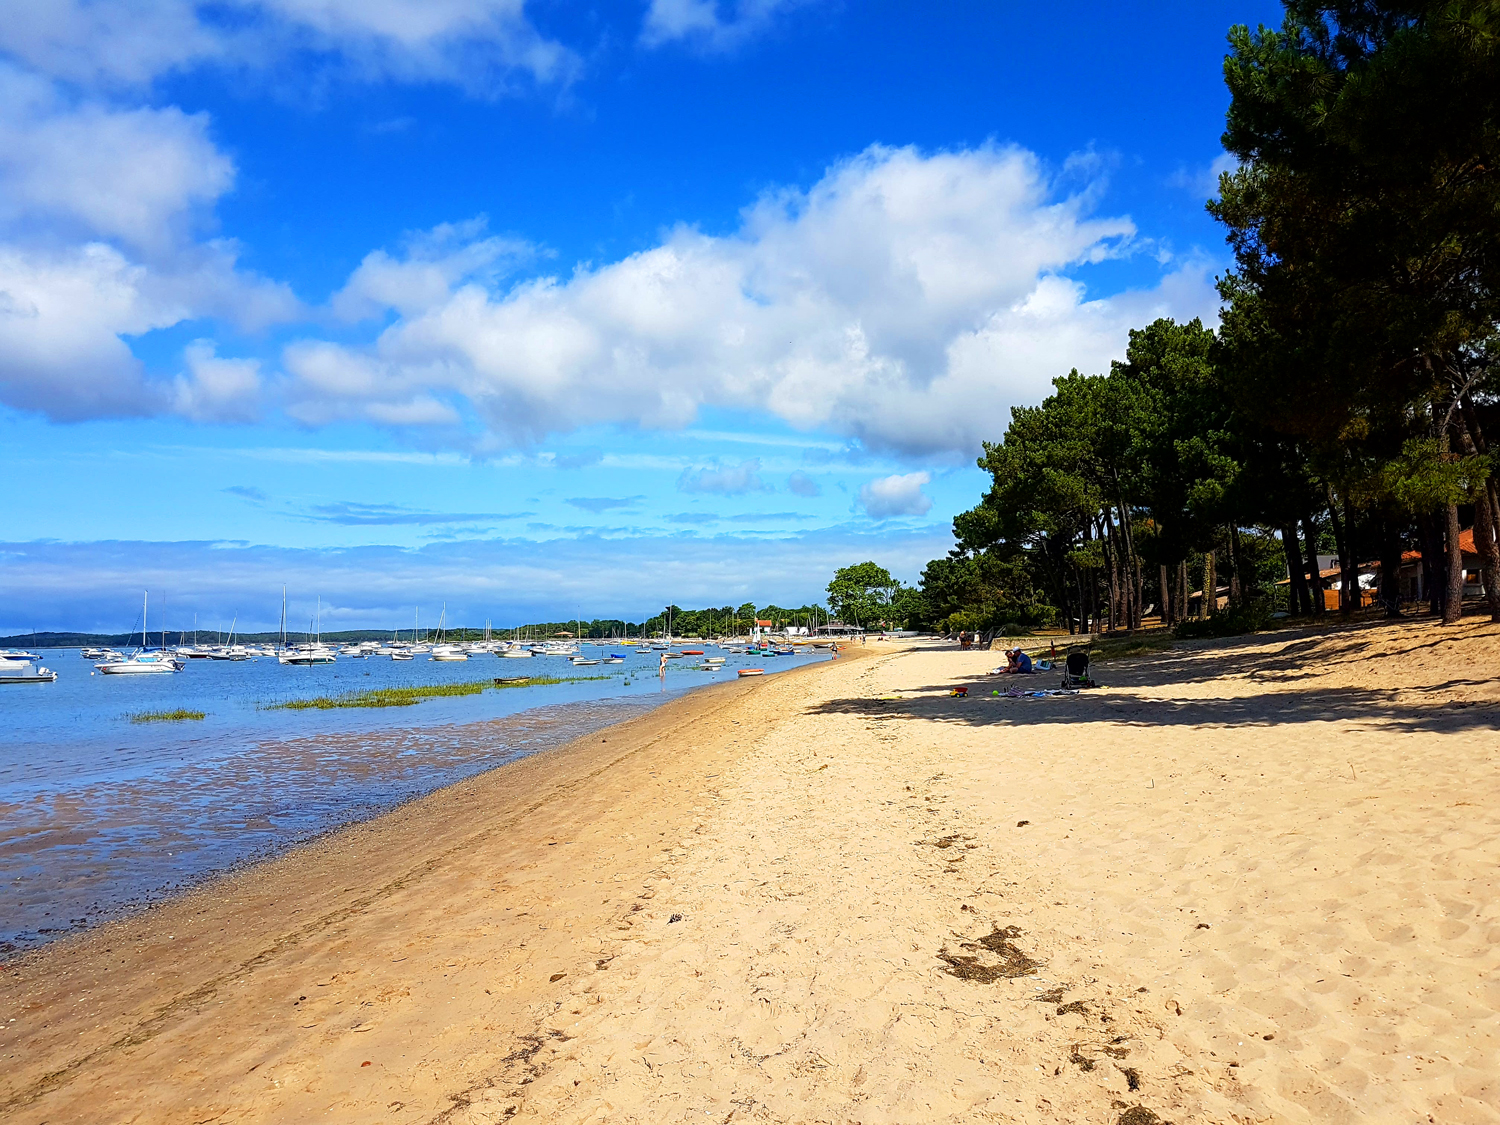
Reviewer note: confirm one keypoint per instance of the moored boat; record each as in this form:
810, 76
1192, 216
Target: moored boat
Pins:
24, 672
142, 663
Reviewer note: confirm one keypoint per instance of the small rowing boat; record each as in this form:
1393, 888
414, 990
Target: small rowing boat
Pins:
752, 671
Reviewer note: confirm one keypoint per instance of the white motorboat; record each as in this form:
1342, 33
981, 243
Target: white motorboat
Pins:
516, 654
141, 662
304, 657
449, 653
398, 655
580, 662
24, 672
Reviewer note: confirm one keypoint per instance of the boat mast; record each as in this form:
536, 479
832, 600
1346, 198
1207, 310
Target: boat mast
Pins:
283, 622
144, 595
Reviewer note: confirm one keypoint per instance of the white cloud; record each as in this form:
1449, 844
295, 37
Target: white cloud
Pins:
63, 314
217, 390
711, 23
480, 45
731, 480
61, 318
100, 209
899, 495
137, 175
905, 300
435, 261
1203, 182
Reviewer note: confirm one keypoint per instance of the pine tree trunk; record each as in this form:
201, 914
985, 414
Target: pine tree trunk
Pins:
1164, 608
1453, 609
1236, 581
1114, 572
1434, 586
1390, 567
1316, 587
1183, 591
1299, 601
1210, 586
1486, 518
1135, 579
1342, 529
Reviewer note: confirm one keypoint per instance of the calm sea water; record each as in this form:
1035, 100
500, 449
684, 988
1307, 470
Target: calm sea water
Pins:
100, 815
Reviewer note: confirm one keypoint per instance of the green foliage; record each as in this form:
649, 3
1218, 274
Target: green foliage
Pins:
177, 716
861, 594
410, 696
1248, 618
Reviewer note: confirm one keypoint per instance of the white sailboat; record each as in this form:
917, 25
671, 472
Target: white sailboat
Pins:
315, 652
142, 662
443, 651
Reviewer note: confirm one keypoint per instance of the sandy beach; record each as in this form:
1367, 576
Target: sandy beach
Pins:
1244, 881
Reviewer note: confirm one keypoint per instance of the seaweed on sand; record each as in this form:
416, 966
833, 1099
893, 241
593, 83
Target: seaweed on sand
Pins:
1005, 962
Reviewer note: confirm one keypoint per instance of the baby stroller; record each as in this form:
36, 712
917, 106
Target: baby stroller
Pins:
1076, 671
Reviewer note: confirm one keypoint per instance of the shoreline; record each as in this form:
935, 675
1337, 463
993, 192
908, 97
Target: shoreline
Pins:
1244, 880
194, 944
219, 853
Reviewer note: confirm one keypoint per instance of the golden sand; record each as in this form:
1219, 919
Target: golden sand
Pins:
1246, 881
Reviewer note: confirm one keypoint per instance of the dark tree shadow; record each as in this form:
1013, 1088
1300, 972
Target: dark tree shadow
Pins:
1305, 655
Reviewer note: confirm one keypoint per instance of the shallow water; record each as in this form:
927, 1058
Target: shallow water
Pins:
99, 815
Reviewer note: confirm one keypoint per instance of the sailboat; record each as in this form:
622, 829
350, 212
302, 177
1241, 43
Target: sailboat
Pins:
142, 662
315, 652
443, 651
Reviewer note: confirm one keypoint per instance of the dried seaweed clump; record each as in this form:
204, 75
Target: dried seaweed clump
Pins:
995, 957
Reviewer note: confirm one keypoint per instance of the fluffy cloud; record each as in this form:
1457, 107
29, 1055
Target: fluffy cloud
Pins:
906, 300
708, 22
899, 495
99, 211
88, 169
435, 261
63, 313
217, 390
481, 45
730, 480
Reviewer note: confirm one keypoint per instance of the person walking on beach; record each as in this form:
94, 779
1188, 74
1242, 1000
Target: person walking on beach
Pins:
662, 671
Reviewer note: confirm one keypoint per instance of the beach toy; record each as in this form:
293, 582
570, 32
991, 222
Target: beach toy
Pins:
961, 692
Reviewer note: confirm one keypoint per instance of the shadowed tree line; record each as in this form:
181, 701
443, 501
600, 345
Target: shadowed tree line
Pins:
1343, 406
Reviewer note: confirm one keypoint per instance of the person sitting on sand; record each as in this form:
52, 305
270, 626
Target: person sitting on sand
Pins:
1017, 663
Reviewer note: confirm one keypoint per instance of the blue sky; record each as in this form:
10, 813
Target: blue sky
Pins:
544, 308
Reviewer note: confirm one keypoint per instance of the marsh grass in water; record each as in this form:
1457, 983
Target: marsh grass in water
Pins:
177, 716
409, 696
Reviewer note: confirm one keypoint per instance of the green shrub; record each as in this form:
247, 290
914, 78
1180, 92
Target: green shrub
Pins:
1233, 622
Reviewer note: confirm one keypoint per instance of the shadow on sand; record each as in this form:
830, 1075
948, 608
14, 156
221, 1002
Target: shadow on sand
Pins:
1272, 699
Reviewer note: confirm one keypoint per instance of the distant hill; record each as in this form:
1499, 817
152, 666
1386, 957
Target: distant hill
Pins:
117, 640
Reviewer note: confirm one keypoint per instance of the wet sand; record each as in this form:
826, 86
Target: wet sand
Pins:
108, 844
1251, 881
